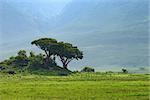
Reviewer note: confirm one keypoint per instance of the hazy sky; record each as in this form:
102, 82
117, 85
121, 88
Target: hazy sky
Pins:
110, 33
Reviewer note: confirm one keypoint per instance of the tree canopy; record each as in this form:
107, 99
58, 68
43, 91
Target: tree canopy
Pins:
47, 45
65, 52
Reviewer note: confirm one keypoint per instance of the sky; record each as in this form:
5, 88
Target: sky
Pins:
112, 34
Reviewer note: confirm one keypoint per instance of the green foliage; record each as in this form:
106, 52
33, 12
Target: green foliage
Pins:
22, 54
88, 69
8, 61
65, 51
18, 63
48, 46
124, 70
56, 71
21, 59
33, 64
31, 54
36, 61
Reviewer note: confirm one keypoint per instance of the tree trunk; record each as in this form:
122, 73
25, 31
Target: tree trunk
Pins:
65, 66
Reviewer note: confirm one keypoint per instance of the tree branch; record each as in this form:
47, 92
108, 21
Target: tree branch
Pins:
46, 53
68, 61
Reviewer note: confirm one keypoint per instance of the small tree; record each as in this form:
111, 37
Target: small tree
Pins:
21, 60
36, 61
124, 70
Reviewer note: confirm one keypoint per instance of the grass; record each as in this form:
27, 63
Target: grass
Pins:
81, 86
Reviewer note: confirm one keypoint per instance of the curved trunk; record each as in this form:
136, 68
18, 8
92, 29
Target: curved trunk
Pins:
65, 61
65, 66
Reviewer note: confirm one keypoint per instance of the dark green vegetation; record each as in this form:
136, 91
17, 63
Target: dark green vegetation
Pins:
87, 69
44, 64
79, 86
66, 52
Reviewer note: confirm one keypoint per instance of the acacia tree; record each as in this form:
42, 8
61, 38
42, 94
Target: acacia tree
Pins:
47, 45
67, 52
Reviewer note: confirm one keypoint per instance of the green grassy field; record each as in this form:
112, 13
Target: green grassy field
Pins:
85, 86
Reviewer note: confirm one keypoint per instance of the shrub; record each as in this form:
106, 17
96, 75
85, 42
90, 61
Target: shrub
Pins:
88, 69
124, 70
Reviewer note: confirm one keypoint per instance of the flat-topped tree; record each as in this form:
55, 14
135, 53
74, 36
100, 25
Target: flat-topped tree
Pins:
47, 45
67, 52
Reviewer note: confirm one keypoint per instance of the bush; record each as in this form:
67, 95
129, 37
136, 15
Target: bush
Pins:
124, 70
109, 72
88, 69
